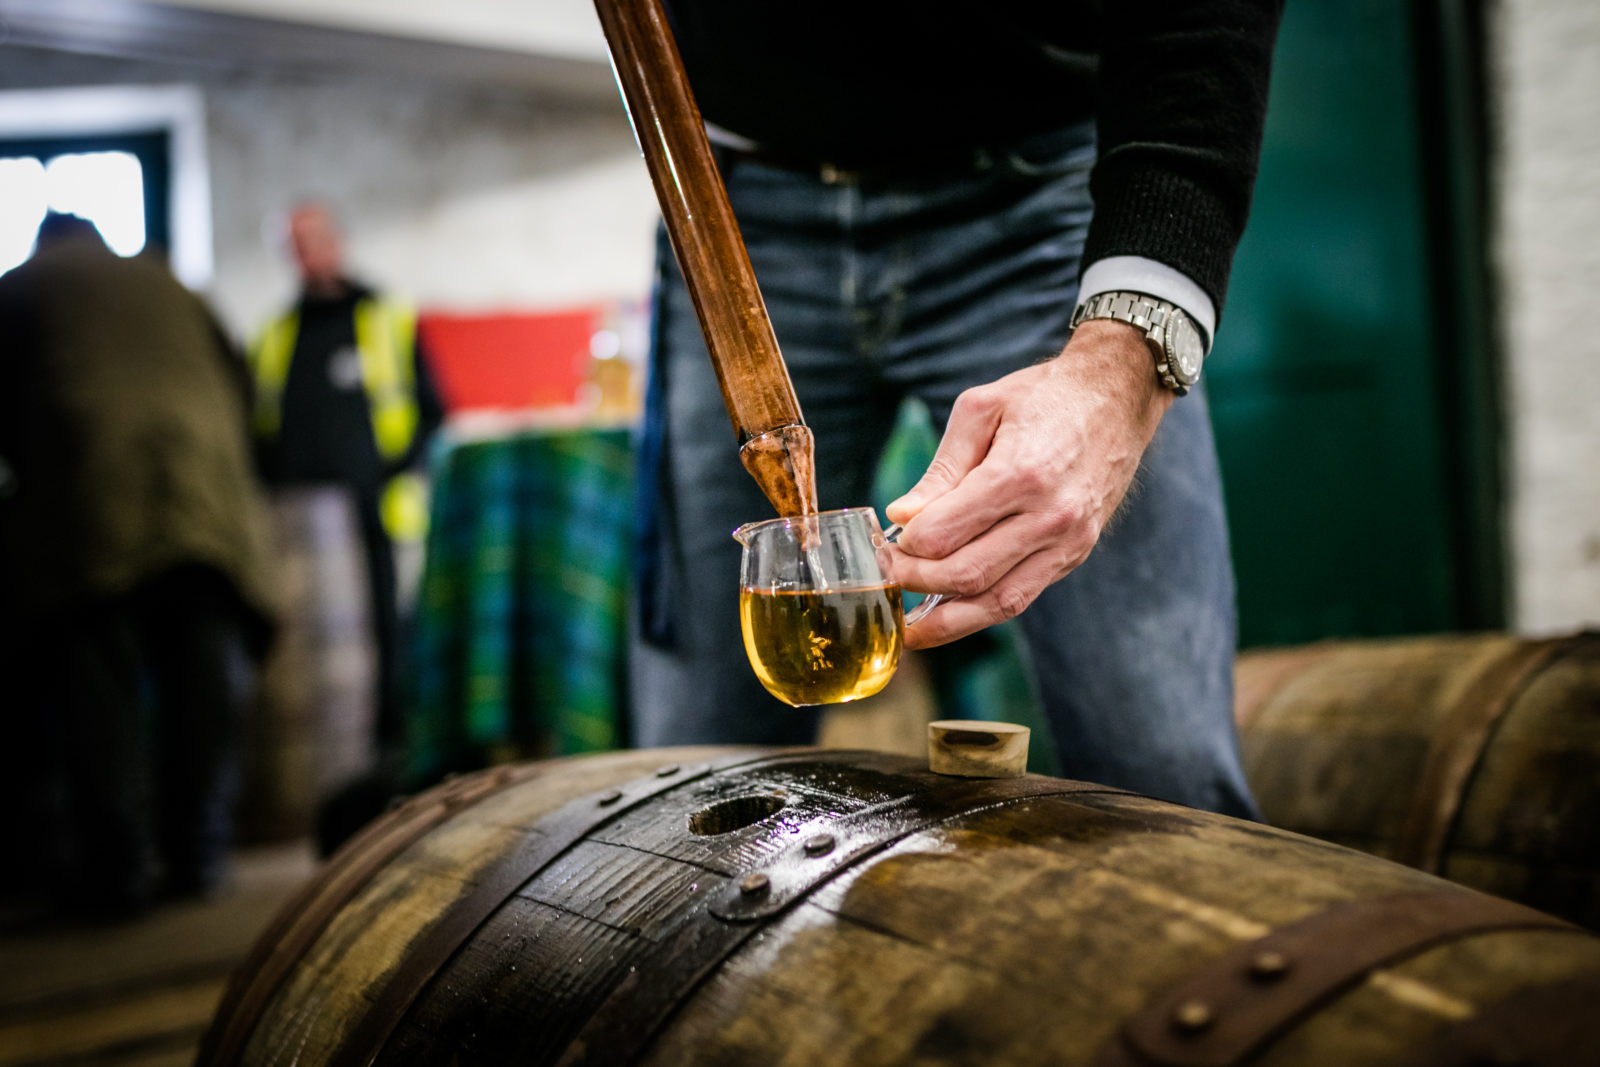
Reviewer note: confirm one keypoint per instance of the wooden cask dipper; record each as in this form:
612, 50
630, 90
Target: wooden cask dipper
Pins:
1475, 757
775, 445
805, 907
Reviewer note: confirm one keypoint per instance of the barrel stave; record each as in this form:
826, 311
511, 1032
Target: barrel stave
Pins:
1326, 786
1399, 1010
958, 938
1339, 739
960, 934
861, 996
807, 795
622, 887
646, 873
1020, 930
1322, 751
518, 992
343, 971
1529, 826
333, 985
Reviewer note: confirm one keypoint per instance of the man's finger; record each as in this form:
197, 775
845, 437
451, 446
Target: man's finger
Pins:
966, 441
956, 518
1005, 600
996, 550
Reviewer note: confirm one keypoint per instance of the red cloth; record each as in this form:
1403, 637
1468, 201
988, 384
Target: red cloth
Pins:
509, 361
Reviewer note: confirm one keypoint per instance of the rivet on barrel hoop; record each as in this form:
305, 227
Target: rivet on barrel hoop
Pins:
819, 845
1269, 966
1192, 1016
754, 884
668, 771
610, 798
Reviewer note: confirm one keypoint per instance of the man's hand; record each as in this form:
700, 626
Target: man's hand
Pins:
1029, 472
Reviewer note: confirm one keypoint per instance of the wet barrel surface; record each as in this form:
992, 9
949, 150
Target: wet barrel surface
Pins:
726, 906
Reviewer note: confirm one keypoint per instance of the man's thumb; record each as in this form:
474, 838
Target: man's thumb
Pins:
964, 444
930, 487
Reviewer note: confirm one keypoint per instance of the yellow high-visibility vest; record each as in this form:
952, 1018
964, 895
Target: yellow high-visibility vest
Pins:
385, 342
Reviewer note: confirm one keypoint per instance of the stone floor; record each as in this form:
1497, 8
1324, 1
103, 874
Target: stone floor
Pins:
135, 994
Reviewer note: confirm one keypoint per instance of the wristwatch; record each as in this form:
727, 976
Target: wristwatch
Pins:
1176, 344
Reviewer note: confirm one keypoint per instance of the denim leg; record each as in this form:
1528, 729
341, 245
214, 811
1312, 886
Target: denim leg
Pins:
1133, 651
197, 634
99, 675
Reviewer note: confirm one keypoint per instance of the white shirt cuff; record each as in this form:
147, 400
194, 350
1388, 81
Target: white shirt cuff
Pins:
1137, 274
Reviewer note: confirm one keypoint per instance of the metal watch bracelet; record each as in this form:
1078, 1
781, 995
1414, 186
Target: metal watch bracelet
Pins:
1145, 312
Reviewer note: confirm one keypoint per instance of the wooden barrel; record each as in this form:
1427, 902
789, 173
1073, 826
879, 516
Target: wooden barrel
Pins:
816, 907
313, 727
1475, 757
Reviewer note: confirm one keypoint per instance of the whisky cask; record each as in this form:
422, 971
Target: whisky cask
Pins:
1474, 757
815, 907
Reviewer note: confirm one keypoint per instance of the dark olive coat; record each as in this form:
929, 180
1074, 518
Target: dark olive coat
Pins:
122, 434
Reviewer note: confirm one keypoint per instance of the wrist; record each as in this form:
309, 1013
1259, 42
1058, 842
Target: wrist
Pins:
1177, 348
1114, 358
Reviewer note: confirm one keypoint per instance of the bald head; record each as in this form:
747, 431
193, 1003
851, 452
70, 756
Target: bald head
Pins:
318, 246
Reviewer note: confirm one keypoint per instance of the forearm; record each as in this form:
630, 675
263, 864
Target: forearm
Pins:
1183, 94
1112, 360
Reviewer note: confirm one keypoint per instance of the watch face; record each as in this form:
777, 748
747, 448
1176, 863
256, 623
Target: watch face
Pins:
1184, 350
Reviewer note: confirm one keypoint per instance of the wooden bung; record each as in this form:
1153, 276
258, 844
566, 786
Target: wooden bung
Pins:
775, 445
972, 748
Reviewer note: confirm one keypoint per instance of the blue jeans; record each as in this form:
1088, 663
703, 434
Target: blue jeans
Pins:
882, 289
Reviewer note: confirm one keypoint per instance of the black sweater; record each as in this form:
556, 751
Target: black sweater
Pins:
1178, 89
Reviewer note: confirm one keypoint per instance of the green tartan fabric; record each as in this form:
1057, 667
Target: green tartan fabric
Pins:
520, 634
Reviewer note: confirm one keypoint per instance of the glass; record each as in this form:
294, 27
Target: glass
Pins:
823, 618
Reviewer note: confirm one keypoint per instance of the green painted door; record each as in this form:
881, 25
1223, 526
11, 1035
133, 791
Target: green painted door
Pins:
1337, 417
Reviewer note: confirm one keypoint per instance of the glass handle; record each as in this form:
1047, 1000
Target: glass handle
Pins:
931, 601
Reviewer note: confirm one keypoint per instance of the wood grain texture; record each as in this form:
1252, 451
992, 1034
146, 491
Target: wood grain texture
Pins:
1023, 930
1341, 740
775, 445
329, 989
971, 749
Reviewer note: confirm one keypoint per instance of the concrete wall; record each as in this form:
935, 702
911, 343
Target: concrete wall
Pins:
553, 27
1545, 57
460, 197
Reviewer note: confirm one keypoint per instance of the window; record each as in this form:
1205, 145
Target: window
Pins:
106, 188
130, 158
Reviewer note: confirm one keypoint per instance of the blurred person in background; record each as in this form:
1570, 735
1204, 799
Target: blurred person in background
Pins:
343, 396
133, 562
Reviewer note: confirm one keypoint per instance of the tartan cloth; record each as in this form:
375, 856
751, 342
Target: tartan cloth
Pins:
519, 640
